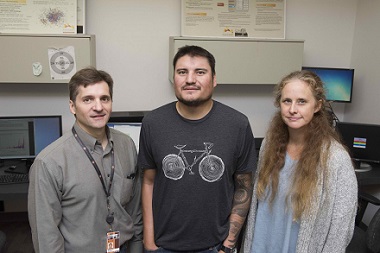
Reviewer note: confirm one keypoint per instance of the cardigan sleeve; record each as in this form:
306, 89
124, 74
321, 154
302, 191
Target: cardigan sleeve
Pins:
345, 201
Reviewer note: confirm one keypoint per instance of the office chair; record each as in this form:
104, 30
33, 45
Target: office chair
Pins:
2, 241
366, 239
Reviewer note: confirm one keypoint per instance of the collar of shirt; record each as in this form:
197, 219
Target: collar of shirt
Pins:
90, 142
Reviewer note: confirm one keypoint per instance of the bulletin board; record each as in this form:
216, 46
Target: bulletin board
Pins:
42, 17
263, 19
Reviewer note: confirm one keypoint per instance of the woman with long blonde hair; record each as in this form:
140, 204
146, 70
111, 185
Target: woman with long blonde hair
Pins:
305, 192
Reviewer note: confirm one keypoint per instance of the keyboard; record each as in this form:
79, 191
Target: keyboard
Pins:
14, 178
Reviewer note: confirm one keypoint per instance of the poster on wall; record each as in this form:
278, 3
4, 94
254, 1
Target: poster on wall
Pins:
233, 18
39, 17
62, 63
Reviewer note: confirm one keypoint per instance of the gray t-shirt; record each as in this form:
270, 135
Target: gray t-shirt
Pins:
195, 162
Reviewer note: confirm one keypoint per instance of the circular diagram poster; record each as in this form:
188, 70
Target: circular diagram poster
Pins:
62, 63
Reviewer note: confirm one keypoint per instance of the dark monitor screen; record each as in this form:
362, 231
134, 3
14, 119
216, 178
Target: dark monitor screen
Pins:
363, 140
338, 82
23, 137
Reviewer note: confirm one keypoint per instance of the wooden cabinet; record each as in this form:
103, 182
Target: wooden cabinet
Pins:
244, 60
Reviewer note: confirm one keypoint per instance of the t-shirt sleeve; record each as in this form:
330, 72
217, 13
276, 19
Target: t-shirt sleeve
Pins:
145, 158
247, 158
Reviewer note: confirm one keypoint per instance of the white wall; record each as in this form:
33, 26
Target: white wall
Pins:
365, 59
132, 44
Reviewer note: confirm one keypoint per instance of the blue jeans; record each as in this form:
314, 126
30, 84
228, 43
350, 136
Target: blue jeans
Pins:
162, 250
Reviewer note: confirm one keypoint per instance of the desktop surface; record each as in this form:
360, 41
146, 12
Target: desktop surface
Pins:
371, 177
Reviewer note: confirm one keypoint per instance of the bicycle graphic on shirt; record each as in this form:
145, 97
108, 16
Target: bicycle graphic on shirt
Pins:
211, 167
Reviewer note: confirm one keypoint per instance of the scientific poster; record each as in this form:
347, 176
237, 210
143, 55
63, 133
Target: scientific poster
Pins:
234, 18
36, 16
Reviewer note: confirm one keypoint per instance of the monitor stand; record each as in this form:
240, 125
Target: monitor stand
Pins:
362, 166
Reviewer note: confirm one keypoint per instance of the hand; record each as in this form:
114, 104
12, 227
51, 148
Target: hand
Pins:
150, 246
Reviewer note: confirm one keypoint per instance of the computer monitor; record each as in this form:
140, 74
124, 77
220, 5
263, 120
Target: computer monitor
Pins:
23, 137
129, 123
363, 141
338, 82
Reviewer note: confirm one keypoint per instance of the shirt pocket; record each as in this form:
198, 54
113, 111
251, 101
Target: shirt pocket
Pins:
128, 187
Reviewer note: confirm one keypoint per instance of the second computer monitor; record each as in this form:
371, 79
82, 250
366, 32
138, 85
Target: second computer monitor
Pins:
363, 141
128, 122
23, 137
338, 82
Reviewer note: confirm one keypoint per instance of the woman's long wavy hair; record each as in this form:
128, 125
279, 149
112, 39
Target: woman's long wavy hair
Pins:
320, 132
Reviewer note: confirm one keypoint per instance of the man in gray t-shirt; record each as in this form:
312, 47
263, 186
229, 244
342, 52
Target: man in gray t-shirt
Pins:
198, 157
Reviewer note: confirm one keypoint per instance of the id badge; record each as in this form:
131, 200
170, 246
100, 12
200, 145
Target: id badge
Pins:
113, 241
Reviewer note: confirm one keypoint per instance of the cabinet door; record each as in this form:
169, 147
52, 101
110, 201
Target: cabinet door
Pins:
246, 61
21, 53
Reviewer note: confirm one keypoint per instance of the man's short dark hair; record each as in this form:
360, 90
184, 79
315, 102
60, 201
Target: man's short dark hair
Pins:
195, 51
88, 76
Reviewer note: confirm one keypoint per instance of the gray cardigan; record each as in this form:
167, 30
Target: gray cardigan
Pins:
330, 224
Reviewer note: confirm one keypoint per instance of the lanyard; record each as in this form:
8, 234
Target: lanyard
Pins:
110, 216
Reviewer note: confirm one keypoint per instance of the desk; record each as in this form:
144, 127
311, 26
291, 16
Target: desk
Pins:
371, 177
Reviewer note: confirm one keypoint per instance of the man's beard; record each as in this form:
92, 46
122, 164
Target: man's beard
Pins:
194, 103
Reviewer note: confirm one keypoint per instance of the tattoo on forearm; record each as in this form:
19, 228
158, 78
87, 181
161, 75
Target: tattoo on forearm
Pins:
241, 204
243, 194
234, 229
